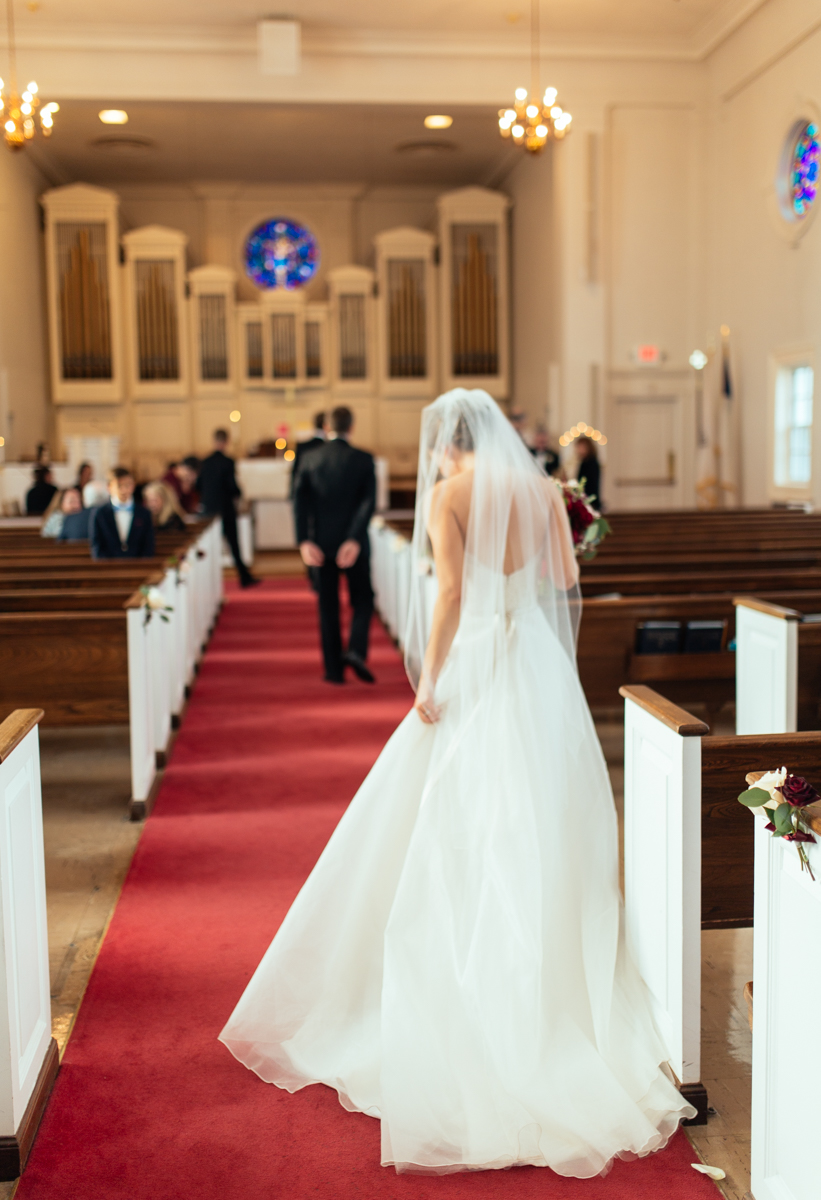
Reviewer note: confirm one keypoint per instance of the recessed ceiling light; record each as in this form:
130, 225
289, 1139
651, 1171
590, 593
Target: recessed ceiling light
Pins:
438, 121
113, 116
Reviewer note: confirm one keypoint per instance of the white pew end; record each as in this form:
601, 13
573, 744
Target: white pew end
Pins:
786, 1049
28, 1053
766, 667
662, 872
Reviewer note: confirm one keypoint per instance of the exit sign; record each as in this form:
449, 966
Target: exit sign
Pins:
647, 356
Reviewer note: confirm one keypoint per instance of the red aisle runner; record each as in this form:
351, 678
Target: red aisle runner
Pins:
148, 1105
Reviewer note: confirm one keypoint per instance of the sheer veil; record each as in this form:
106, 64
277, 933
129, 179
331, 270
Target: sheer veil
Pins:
517, 540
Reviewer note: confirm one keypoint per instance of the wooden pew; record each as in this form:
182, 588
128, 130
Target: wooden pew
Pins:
786, 983
102, 661
688, 853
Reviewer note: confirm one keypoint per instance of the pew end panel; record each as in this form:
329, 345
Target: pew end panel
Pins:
767, 666
662, 867
28, 1053
787, 982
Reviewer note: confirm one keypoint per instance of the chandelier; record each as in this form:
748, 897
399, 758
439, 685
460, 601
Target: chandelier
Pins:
18, 112
532, 122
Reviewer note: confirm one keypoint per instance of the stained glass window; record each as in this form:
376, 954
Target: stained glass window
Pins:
281, 254
803, 168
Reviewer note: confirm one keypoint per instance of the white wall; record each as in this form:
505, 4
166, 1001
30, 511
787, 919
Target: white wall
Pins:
24, 414
763, 287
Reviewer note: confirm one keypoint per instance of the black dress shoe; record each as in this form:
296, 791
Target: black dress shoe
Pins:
250, 581
359, 666
334, 678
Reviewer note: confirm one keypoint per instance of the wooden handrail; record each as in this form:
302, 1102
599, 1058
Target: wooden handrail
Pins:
765, 606
675, 718
15, 727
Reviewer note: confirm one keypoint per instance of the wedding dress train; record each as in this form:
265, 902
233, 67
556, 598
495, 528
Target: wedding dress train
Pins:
455, 964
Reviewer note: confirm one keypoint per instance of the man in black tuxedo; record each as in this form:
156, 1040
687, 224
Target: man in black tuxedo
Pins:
218, 489
121, 528
314, 442
334, 500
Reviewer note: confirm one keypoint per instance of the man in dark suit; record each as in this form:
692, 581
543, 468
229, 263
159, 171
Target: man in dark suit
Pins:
334, 500
218, 489
314, 442
121, 528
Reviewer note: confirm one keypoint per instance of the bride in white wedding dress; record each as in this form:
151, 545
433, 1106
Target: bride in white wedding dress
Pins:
455, 963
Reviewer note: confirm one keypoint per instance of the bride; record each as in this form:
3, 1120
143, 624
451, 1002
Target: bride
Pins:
455, 963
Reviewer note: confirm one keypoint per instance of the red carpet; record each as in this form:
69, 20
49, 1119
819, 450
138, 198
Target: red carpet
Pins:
148, 1105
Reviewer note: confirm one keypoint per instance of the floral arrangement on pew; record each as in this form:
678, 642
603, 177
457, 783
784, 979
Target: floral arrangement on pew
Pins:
588, 526
784, 799
154, 602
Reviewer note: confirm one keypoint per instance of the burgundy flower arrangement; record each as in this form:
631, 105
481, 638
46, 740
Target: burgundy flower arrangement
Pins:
588, 526
785, 798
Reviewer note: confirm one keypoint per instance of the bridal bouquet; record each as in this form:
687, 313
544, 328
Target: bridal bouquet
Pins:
785, 798
588, 526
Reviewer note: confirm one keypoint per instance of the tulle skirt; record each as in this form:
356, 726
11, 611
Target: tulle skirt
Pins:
455, 964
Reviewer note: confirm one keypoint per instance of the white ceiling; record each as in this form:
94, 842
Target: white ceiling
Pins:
273, 143
623, 18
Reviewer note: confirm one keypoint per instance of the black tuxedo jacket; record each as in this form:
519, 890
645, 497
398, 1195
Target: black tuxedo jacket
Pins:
303, 448
335, 496
217, 484
105, 536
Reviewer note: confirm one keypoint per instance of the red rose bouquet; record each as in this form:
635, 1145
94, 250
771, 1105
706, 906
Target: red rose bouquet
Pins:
588, 526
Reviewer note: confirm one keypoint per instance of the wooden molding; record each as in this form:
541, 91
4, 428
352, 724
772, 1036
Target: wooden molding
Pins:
15, 727
675, 718
765, 606
15, 1150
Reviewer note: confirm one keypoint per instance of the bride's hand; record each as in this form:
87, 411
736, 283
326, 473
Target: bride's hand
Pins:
427, 708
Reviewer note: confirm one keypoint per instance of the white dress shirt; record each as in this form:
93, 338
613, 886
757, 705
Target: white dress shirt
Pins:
123, 515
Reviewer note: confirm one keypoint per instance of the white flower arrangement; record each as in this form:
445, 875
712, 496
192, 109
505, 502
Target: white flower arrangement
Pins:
154, 602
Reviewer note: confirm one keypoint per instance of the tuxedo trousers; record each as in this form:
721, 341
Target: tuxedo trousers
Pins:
326, 579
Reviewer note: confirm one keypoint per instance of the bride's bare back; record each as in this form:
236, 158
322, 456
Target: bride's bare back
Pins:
450, 507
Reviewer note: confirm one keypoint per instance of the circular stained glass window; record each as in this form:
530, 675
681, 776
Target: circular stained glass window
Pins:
800, 180
281, 254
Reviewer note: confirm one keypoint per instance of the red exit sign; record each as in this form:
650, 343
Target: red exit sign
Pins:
647, 356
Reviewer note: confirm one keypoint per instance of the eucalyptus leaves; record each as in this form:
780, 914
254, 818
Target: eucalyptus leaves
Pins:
785, 797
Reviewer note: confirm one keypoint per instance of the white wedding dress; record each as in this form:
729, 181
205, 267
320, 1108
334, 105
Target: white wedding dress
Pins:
454, 965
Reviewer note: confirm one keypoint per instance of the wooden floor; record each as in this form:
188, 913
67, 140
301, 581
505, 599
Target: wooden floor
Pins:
89, 844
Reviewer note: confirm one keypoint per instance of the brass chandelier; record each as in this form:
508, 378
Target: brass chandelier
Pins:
532, 122
18, 112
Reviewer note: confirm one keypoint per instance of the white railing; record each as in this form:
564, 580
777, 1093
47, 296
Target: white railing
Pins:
28, 1054
163, 655
391, 566
786, 1051
766, 667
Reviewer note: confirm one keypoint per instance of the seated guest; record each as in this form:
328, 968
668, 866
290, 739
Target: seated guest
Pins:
54, 515
161, 502
76, 519
85, 474
180, 479
121, 528
41, 494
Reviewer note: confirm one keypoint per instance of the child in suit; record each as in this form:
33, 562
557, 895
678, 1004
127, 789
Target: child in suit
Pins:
121, 528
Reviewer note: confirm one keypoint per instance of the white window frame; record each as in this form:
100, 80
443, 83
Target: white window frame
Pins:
789, 359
